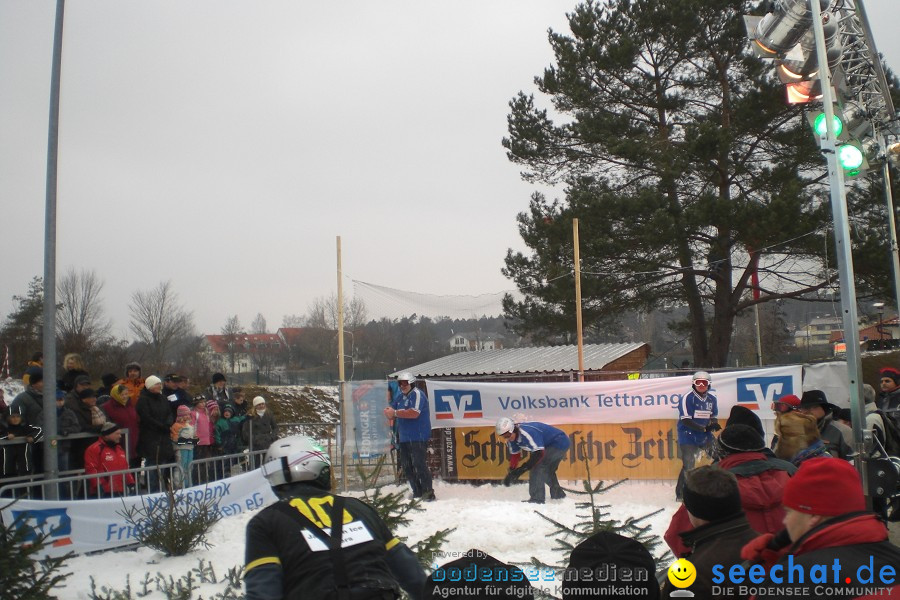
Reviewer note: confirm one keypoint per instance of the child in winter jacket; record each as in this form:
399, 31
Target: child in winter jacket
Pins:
183, 434
18, 459
228, 431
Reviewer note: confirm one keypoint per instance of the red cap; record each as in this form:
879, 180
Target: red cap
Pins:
789, 401
825, 486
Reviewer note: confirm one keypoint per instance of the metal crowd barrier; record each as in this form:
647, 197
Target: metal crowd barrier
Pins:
75, 484
150, 479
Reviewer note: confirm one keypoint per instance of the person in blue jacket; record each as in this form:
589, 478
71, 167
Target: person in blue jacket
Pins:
547, 445
409, 410
697, 421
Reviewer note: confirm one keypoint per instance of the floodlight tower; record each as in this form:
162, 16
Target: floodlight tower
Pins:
834, 61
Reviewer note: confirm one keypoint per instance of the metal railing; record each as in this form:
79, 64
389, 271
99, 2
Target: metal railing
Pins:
76, 485
150, 479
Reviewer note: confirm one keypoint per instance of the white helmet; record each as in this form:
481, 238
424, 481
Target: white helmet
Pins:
294, 459
701, 375
505, 425
406, 376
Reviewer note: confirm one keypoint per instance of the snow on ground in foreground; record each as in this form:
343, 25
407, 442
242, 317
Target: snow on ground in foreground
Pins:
490, 518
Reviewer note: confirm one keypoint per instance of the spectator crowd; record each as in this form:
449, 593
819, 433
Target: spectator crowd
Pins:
118, 423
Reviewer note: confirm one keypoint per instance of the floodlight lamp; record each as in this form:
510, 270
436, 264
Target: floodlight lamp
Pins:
781, 29
851, 158
820, 125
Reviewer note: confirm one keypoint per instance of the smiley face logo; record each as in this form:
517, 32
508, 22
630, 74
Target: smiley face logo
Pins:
682, 573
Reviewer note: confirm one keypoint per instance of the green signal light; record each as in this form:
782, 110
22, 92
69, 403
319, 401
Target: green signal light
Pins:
819, 125
850, 157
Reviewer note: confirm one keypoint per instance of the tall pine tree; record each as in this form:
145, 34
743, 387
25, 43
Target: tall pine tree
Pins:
684, 164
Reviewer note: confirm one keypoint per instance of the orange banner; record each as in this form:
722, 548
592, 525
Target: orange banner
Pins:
643, 450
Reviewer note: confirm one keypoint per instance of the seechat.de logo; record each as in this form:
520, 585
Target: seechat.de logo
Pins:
457, 404
753, 392
52, 522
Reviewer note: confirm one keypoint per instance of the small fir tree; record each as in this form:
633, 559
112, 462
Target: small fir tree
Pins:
24, 576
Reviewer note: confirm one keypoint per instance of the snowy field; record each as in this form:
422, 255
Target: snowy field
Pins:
490, 518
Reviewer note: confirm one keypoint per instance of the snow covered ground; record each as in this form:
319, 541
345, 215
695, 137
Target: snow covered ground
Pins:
490, 518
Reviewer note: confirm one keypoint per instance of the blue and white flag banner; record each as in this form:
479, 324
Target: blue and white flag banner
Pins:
89, 525
478, 404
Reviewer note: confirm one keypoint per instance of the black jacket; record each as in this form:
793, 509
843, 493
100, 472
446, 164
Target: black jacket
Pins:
154, 442
281, 565
719, 542
31, 402
262, 429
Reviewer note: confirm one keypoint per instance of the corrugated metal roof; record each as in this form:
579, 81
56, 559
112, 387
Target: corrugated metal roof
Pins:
541, 359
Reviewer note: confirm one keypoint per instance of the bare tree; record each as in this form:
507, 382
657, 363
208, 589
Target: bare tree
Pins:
80, 320
293, 321
232, 331
323, 313
159, 320
259, 324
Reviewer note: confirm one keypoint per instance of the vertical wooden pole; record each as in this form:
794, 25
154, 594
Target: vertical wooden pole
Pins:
575, 243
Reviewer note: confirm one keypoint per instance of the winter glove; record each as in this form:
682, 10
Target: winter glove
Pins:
766, 549
513, 475
533, 459
713, 426
693, 425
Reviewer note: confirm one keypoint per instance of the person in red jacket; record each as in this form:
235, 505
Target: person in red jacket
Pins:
121, 409
104, 456
761, 477
828, 530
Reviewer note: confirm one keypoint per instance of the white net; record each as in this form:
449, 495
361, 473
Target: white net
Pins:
392, 303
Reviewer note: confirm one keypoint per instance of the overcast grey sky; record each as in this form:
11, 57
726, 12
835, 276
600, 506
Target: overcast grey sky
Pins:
224, 145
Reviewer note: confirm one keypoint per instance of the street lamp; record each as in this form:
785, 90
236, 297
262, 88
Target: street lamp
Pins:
879, 306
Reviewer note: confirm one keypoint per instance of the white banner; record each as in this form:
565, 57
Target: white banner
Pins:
88, 525
477, 404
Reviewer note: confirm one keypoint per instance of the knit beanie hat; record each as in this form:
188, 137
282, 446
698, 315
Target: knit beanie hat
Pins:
211, 406
890, 372
108, 380
740, 438
825, 486
35, 375
708, 507
108, 428
741, 415
217, 377
152, 381
258, 400
183, 411
228, 408
505, 581
610, 548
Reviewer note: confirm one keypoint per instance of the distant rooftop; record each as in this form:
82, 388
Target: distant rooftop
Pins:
541, 359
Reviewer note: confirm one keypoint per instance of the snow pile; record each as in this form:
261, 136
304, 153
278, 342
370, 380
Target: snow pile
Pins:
490, 518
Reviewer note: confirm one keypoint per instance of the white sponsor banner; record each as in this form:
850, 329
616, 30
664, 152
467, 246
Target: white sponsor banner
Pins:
88, 525
477, 404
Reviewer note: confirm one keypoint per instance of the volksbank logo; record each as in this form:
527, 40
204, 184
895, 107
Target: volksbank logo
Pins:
753, 392
457, 404
53, 522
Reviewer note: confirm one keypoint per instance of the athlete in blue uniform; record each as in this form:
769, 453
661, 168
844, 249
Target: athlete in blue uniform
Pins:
409, 409
547, 445
697, 421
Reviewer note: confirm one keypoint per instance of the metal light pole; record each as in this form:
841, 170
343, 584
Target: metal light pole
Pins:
51, 465
842, 243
